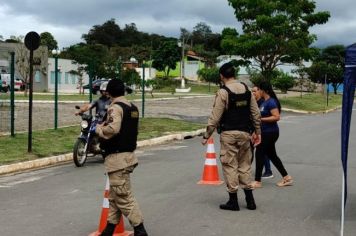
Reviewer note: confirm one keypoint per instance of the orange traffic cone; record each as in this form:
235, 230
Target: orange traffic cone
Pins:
210, 173
120, 228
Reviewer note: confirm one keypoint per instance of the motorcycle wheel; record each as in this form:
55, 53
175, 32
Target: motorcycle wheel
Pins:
79, 155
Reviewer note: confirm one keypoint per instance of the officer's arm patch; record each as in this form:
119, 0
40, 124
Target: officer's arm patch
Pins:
134, 114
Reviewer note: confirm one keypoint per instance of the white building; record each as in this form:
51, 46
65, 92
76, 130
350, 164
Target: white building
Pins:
68, 76
286, 68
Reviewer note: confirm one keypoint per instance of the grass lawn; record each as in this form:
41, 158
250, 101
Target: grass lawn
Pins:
54, 142
49, 97
312, 102
195, 89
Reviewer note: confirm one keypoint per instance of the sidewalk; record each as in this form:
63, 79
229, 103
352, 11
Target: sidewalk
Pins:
65, 158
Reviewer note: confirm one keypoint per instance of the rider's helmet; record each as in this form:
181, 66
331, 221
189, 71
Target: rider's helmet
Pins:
103, 86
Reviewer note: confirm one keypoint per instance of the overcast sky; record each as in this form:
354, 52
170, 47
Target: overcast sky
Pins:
67, 20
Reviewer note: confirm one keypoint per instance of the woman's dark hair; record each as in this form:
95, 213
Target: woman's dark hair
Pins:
267, 88
227, 70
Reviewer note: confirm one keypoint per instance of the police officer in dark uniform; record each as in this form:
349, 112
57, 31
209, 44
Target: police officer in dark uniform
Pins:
234, 112
118, 137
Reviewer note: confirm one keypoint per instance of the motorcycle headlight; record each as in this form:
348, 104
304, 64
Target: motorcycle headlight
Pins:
84, 124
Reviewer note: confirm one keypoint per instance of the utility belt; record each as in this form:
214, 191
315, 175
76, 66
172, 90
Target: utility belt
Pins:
108, 152
221, 129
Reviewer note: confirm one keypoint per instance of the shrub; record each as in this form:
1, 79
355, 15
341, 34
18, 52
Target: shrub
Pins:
283, 82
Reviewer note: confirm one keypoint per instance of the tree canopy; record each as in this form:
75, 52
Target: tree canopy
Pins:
328, 66
48, 40
166, 57
274, 32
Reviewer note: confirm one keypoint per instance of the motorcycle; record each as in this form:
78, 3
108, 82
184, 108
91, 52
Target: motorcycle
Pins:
87, 143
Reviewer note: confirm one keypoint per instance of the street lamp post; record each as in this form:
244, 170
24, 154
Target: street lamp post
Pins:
133, 60
143, 89
181, 44
55, 53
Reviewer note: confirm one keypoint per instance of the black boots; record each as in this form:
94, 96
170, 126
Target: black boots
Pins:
251, 205
139, 230
232, 204
109, 230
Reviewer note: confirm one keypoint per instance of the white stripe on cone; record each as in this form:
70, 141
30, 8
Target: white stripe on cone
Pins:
106, 203
107, 186
210, 148
210, 162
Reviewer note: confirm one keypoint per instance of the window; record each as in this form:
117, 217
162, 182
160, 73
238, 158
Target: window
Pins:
53, 77
59, 77
74, 78
66, 78
37, 76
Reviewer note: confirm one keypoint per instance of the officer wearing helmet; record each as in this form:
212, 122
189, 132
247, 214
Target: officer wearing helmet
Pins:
118, 137
101, 104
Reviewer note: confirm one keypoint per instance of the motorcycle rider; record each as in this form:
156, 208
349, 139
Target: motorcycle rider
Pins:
100, 104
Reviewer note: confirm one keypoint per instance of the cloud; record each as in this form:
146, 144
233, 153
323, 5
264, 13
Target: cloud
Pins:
67, 20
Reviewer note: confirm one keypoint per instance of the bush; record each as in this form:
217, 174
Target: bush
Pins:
131, 77
283, 82
209, 74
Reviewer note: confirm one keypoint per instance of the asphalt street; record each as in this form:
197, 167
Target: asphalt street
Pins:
65, 200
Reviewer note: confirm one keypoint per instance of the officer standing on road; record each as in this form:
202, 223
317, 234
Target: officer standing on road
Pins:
118, 141
234, 111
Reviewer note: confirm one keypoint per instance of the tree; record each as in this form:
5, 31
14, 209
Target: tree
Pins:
328, 66
200, 33
166, 57
274, 32
48, 40
107, 34
283, 81
131, 77
15, 39
96, 58
210, 75
206, 43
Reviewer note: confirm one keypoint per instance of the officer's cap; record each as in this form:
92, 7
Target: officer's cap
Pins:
115, 88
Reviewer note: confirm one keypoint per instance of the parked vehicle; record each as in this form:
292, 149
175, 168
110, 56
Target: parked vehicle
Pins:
96, 86
87, 143
4, 87
6, 83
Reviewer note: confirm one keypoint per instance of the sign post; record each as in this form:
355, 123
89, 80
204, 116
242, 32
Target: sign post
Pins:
32, 42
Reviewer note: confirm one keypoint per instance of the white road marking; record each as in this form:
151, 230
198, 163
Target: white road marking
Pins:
25, 180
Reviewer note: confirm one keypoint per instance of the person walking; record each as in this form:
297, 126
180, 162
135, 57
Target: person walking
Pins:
118, 137
270, 114
266, 162
234, 111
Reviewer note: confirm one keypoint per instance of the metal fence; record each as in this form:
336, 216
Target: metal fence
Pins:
42, 116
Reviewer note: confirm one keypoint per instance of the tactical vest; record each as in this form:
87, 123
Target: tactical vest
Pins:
125, 140
238, 114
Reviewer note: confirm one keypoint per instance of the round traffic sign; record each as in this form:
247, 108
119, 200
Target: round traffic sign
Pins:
32, 40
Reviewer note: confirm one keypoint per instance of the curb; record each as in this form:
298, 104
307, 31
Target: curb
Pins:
312, 112
50, 161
